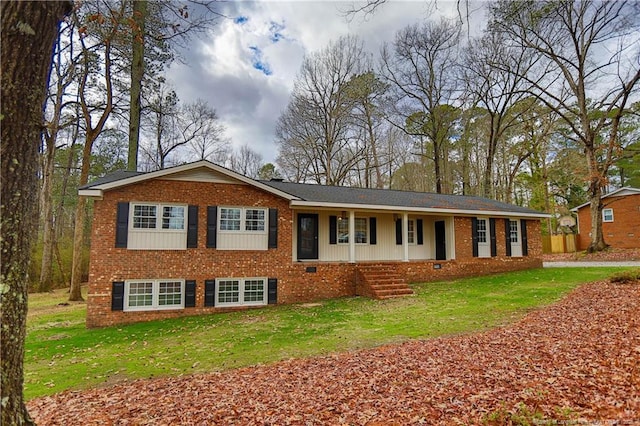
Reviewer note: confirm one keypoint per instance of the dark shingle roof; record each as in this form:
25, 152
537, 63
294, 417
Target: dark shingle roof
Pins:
111, 177
341, 195
390, 197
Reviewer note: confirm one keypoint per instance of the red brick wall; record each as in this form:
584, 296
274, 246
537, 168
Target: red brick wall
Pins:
297, 281
623, 232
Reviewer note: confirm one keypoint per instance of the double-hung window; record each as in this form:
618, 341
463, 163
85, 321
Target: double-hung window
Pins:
607, 215
241, 291
411, 231
242, 219
361, 228
482, 230
158, 217
141, 295
513, 231
173, 217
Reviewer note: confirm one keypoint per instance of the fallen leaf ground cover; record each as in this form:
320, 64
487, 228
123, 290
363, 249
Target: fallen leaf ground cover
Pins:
576, 360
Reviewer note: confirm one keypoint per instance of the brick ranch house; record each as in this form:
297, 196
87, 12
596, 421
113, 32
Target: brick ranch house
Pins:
199, 238
620, 219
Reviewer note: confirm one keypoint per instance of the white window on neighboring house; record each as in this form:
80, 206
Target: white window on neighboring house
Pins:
143, 295
241, 291
607, 215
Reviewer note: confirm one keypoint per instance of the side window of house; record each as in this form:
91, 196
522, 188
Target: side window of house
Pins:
142, 295
607, 215
241, 291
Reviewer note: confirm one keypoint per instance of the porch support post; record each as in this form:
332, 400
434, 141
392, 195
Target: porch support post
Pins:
405, 237
352, 236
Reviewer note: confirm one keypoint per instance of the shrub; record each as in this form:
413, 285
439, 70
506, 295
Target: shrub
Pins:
625, 277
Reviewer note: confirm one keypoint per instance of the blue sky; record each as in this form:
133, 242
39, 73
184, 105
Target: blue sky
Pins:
245, 68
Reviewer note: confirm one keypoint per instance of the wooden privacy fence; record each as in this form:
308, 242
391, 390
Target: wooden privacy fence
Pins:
563, 243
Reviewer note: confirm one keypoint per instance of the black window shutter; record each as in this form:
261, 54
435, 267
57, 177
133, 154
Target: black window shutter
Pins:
273, 228
272, 291
122, 225
398, 231
474, 235
333, 229
492, 233
189, 293
373, 231
212, 226
192, 227
209, 292
507, 233
525, 243
419, 230
117, 296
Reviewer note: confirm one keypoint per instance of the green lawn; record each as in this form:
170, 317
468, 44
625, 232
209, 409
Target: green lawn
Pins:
61, 353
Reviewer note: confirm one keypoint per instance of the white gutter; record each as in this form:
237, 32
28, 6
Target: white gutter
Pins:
342, 206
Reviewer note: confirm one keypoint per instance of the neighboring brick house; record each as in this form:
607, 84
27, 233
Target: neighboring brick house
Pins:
200, 238
620, 219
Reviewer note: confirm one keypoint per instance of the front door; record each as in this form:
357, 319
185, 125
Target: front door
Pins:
307, 236
441, 242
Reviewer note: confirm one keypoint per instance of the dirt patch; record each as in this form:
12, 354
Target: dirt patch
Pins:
575, 361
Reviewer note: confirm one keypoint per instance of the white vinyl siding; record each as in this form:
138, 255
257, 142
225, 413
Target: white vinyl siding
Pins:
385, 248
145, 295
157, 226
241, 291
242, 228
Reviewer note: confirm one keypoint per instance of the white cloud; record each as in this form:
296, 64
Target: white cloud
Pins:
246, 67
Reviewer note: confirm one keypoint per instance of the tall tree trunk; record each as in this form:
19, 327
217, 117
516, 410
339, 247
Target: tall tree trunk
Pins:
48, 231
596, 181
137, 73
46, 269
28, 33
75, 293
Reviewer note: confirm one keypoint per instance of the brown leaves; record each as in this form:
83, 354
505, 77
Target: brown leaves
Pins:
578, 359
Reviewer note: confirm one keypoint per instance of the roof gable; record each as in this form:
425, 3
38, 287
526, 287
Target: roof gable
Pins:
203, 171
620, 192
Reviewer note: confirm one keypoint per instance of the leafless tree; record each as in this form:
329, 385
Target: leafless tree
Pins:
494, 89
421, 68
247, 162
317, 120
590, 57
